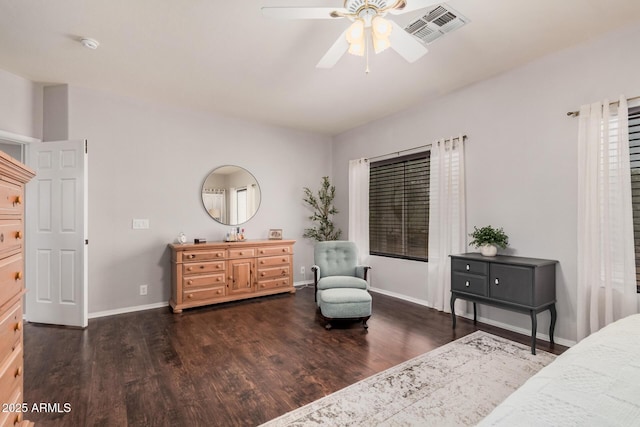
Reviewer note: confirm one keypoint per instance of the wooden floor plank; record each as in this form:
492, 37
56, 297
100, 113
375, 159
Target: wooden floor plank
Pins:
236, 364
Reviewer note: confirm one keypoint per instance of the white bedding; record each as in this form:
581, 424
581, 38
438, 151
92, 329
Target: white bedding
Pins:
594, 383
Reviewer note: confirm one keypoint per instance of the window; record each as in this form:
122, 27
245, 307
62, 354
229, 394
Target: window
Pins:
399, 207
634, 152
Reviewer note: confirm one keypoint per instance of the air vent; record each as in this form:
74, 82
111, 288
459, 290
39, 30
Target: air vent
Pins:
435, 24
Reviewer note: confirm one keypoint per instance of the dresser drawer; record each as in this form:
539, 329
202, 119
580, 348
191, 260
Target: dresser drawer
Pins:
469, 283
270, 261
12, 419
203, 267
274, 250
511, 283
11, 234
273, 283
468, 266
271, 273
11, 277
204, 255
205, 280
204, 294
10, 331
11, 372
11, 198
242, 253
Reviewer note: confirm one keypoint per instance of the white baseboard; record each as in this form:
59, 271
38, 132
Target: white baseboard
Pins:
97, 314
523, 331
302, 283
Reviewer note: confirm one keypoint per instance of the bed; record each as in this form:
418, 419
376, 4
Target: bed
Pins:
594, 383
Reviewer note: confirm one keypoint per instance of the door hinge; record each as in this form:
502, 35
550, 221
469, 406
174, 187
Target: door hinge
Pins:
86, 241
86, 149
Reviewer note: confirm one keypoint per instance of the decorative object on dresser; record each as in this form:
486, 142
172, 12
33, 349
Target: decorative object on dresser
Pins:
275, 234
488, 239
521, 284
212, 273
13, 176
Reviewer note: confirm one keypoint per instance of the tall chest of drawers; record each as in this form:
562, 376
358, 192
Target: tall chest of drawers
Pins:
527, 285
211, 273
13, 177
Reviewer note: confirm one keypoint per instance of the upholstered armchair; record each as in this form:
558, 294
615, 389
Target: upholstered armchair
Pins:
340, 284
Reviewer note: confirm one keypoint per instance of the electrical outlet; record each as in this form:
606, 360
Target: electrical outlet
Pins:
143, 289
140, 224
302, 271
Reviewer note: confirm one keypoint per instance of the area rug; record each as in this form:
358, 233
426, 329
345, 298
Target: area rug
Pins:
457, 384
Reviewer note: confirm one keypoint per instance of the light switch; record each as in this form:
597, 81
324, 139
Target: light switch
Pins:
140, 224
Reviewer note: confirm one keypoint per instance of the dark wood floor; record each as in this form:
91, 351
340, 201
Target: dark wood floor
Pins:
237, 364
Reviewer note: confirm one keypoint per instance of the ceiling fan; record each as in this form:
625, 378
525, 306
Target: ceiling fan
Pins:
367, 17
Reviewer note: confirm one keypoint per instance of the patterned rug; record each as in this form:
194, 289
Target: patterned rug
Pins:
457, 384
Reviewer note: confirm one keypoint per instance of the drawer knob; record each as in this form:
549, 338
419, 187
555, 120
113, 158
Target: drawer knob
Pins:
18, 275
17, 200
261, 262
466, 283
190, 282
189, 268
284, 260
262, 251
190, 296
284, 272
18, 372
262, 274
18, 326
284, 249
218, 279
218, 254
468, 267
191, 256
497, 282
18, 235
263, 285
219, 292
241, 253
17, 420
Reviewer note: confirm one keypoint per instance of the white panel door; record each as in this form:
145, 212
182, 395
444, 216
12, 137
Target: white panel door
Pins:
56, 251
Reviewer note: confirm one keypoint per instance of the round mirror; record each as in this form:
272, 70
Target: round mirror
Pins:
231, 195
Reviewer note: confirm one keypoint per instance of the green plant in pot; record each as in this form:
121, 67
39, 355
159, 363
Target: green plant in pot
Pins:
323, 210
488, 239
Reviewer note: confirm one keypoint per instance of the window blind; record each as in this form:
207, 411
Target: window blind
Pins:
399, 207
634, 152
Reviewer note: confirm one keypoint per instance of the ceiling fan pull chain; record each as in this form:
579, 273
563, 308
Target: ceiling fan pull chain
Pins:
366, 53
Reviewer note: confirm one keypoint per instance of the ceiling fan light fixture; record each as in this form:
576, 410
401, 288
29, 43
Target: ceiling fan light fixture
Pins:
380, 31
355, 37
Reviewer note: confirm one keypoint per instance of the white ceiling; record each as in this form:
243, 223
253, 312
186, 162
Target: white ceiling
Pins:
224, 56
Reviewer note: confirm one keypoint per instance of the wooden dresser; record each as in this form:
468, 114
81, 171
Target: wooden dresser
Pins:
212, 273
13, 176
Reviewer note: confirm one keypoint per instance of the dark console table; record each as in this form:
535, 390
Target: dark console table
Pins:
526, 285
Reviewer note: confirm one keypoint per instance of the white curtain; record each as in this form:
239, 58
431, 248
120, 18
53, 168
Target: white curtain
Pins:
606, 258
233, 205
447, 220
359, 207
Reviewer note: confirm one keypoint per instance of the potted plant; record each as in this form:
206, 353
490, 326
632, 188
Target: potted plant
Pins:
323, 210
488, 239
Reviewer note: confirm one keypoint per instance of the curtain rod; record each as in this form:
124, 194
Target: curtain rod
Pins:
397, 153
577, 113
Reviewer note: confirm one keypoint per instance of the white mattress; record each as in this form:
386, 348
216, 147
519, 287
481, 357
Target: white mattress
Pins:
594, 383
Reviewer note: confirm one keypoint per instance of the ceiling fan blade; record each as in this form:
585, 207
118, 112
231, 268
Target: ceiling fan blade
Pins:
335, 52
415, 5
405, 44
303, 12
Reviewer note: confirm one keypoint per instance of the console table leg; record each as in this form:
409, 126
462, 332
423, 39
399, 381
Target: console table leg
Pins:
453, 311
475, 316
534, 328
552, 326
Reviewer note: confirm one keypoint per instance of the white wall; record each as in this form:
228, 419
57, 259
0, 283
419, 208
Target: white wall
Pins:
521, 159
149, 161
20, 105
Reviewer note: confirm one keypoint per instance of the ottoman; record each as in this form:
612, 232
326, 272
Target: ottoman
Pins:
344, 303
